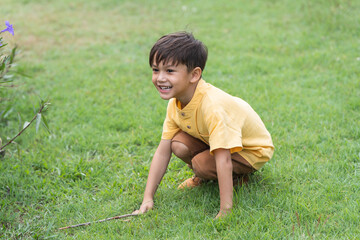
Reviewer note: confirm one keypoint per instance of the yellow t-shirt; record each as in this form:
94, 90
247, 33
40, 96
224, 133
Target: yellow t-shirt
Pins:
221, 121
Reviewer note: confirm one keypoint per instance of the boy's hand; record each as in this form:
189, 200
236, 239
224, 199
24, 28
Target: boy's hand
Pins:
224, 170
145, 206
157, 170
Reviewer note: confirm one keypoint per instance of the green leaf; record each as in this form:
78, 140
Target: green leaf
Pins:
7, 81
38, 121
12, 55
21, 73
20, 122
44, 121
3, 45
2, 66
6, 112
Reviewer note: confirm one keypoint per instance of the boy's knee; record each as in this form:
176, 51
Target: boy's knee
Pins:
181, 151
203, 165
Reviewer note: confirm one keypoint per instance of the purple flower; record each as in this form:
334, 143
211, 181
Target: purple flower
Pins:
8, 28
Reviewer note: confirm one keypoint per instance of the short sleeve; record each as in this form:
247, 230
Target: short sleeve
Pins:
224, 131
170, 128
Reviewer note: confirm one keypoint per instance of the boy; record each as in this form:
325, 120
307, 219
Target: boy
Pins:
219, 136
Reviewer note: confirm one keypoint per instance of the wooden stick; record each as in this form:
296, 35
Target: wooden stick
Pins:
98, 221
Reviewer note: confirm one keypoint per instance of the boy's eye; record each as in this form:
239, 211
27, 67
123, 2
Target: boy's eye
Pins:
155, 70
170, 70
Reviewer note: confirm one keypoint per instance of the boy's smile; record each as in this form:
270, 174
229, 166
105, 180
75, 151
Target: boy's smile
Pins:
175, 81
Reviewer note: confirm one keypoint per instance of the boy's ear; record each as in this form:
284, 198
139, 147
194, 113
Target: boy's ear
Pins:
196, 74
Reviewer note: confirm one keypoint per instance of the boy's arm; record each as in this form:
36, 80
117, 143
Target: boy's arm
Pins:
224, 172
157, 170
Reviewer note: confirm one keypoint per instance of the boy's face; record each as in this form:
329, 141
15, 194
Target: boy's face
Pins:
173, 81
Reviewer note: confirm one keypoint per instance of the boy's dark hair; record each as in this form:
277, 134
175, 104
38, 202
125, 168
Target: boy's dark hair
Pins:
179, 47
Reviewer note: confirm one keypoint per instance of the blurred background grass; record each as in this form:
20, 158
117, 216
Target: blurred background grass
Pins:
296, 62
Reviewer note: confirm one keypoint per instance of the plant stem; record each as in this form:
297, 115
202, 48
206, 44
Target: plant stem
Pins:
32, 120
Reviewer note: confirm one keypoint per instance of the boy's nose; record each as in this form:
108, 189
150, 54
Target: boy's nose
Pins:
161, 77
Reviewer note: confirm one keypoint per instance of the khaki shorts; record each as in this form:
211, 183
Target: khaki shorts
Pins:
203, 163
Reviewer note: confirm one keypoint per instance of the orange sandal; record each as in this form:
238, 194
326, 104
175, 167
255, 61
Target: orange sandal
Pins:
191, 183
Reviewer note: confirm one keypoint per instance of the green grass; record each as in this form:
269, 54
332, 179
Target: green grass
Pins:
296, 62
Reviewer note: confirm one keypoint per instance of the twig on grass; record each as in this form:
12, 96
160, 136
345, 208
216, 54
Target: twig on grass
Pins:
99, 221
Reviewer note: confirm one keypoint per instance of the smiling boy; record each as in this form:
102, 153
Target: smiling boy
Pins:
219, 136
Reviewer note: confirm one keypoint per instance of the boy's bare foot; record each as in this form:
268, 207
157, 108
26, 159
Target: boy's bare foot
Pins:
191, 183
240, 180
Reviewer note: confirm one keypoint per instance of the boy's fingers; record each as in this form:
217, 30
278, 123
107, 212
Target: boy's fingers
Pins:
143, 209
136, 212
139, 211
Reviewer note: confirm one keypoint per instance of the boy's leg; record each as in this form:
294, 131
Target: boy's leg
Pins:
204, 166
186, 147
240, 165
241, 169
197, 155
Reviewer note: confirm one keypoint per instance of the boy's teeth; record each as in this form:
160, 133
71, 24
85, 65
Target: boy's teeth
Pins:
165, 87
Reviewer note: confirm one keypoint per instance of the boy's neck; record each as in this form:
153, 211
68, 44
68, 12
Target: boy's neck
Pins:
184, 103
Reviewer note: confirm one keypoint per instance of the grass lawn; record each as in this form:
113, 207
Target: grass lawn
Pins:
297, 63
